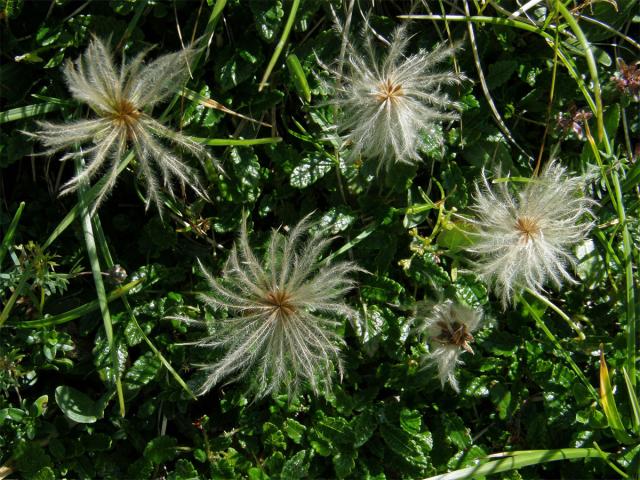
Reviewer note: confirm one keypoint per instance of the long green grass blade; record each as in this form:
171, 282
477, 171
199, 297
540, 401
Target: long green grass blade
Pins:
92, 253
556, 309
6, 311
507, 22
77, 312
633, 399
281, 43
210, 103
591, 63
517, 460
108, 259
216, 12
90, 196
236, 142
608, 402
299, 78
28, 111
140, 6
629, 288
560, 349
11, 231
485, 88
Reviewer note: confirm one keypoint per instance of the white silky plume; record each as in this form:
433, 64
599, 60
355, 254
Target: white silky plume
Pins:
524, 239
281, 329
447, 326
388, 102
120, 99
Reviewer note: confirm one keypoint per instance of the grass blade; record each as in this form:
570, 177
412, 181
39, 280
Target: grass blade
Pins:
608, 402
299, 78
236, 142
6, 311
210, 103
633, 398
562, 351
104, 248
28, 111
281, 43
77, 312
563, 315
517, 460
11, 231
591, 63
89, 196
92, 253
485, 88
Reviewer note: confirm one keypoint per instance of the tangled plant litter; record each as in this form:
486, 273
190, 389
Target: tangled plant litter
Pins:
448, 326
121, 100
283, 314
389, 101
523, 240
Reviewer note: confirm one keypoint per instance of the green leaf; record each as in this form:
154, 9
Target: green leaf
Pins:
39, 406
311, 169
140, 469
236, 64
77, 406
268, 18
273, 437
335, 430
500, 72
502, 398
401, 443
457, 433
143, 370
321, 447
337, 219
247, 169
296, 467
29, 458
344, 462
7, 240
184, 471
426, 270
410, 421
294, 429
11, 413
363, 427
381, 289
45, 473
254, 473
516, 460
161, 450
28, 111
612, 120
433, 142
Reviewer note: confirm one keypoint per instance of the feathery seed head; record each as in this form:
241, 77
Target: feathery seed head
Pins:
121, 99
387, 103
449, 328
522, 240
281, 328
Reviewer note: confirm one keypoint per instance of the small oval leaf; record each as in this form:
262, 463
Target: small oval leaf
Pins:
77, 406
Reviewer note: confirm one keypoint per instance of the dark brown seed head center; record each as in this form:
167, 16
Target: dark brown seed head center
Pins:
455, 334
